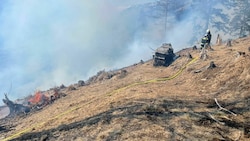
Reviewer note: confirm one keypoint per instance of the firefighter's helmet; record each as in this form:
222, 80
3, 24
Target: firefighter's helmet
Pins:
208, 30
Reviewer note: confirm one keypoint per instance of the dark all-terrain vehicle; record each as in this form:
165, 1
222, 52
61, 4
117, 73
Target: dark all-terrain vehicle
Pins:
164, 55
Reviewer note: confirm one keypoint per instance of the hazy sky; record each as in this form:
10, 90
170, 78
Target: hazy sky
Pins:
130, 2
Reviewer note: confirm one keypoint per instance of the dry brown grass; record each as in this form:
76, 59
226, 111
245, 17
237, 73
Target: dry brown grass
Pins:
177, 109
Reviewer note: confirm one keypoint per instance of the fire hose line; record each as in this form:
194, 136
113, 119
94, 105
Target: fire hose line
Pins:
109, 94
42, 123
153, 80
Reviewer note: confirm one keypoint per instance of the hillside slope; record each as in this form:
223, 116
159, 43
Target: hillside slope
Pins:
132, 105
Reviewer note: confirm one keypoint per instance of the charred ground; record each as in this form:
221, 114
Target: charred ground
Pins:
118, 105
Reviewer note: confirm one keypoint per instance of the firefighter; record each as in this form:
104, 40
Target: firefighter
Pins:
209, 36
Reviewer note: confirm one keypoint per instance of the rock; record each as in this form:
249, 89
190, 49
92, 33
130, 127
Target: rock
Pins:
142, 62
197, 71
44, 137
71, 88
240, 53
123, 73
189, 56
80, 83
229, 43
62, 86
194, 47
212, 65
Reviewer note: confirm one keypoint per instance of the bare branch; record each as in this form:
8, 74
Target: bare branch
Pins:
221, 108
216, 119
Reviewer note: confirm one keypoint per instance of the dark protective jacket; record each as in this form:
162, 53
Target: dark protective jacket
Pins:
209, 36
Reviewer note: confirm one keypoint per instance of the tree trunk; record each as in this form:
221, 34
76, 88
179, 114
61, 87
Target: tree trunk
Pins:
15, 109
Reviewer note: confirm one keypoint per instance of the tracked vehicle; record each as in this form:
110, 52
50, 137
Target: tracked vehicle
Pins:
164, 55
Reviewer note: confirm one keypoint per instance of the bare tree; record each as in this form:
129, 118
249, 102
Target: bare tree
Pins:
240, 23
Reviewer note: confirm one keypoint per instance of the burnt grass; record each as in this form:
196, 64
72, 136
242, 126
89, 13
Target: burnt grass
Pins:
159, 112
8, 123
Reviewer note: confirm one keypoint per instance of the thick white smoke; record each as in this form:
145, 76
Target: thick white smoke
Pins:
52, 42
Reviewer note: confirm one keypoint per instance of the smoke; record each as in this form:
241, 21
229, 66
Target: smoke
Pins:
180, 33
48, 43
4, 111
